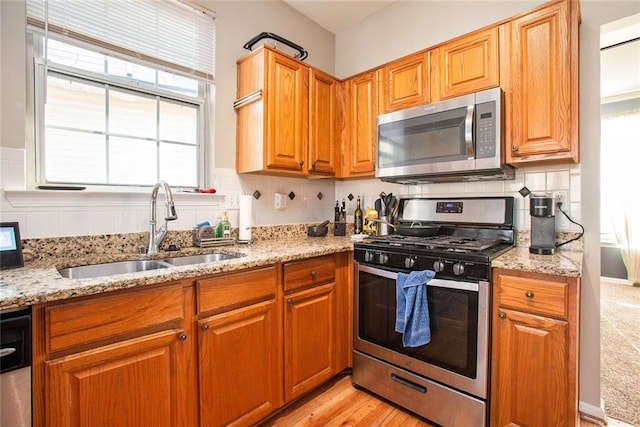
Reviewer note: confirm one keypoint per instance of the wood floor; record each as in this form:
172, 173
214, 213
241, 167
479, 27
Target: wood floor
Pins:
338, 403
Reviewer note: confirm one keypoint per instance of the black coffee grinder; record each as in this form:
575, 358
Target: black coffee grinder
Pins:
543, 224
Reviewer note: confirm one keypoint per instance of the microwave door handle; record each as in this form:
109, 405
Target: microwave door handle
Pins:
468, 131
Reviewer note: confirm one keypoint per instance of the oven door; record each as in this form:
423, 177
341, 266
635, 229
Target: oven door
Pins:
457, 354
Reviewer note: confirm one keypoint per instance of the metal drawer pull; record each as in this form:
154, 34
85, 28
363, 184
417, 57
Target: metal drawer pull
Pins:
313, 273
502, 315
182, 337
407, 383
529, 294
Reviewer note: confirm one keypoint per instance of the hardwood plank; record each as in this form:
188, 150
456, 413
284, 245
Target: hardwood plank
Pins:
339, 403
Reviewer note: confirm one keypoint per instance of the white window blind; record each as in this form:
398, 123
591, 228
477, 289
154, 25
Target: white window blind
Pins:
167, 33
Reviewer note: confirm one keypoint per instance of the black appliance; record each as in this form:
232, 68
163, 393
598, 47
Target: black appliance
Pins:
15, 368
543, 225
446, 380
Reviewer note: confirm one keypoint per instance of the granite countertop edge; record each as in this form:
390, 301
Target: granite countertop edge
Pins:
561, 263
40, 282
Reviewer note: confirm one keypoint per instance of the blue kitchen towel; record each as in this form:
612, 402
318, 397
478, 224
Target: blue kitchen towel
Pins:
412, 311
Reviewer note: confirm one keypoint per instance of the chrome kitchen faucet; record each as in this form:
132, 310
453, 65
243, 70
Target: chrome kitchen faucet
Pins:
157, 236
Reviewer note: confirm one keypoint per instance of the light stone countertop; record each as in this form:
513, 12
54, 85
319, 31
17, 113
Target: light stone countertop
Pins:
562, 263
40, 282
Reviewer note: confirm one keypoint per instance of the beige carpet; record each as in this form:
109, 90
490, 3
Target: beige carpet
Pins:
620, 350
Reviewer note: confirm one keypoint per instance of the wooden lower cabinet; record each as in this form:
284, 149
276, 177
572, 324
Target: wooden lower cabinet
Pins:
123, 358
222, 350
133, 383
309, 336
239, 366
535, 350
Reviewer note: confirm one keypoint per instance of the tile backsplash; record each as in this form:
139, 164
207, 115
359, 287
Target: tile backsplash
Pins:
43, 214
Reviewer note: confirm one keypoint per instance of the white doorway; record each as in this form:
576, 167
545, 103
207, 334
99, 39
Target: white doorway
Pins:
620, 152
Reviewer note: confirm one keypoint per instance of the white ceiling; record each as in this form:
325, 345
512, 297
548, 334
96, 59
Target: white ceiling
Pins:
337, 15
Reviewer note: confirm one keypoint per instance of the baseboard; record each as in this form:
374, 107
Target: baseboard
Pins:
616, 280
592, 413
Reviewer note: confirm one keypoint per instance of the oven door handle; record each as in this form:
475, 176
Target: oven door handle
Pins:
440, 283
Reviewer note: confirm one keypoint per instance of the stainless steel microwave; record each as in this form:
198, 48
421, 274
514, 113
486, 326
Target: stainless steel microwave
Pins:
458, 139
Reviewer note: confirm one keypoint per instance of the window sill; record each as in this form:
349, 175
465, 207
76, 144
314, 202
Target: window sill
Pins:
90, 197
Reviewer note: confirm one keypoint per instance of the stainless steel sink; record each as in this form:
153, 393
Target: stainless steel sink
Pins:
199, 259
112, 268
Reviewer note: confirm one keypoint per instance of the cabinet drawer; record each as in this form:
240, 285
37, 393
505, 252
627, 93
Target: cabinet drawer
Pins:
299, 274
538, 296
237, 289
107, 317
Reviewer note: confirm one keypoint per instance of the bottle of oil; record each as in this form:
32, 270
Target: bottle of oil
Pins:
357, 218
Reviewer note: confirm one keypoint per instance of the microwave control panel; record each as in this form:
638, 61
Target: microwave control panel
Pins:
486, 138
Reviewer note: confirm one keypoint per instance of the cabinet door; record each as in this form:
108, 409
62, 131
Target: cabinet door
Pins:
404, 83
543, 86
323, 105
240, 368
309, 334
362, 112
531, 386
287, 113
139, 382
468, 64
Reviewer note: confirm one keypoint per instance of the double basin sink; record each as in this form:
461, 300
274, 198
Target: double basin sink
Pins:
125, 267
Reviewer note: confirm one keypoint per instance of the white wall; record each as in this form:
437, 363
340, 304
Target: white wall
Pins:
42, 215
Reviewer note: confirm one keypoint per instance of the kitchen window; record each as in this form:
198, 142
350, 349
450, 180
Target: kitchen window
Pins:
122, 103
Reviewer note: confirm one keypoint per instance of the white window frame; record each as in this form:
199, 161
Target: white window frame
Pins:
37, 79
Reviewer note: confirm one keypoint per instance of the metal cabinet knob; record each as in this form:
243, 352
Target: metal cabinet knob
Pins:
205, 327
529, 294
313, 165
289, 301
514, 148
313, 274
502, 315
301, 163
182, 337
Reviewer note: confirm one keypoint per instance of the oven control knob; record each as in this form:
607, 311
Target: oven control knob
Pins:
383, 258
438, 266
368, 256
409, 261
458, 268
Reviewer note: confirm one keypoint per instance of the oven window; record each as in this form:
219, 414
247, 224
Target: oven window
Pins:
453, 317
432, 138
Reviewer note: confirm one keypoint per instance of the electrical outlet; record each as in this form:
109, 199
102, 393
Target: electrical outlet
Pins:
561, 197
280, 201
232, 200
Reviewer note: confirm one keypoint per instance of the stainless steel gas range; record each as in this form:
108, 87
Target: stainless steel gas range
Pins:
446, 380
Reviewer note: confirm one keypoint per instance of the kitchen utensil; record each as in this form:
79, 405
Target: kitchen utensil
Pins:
378, 206
320, 230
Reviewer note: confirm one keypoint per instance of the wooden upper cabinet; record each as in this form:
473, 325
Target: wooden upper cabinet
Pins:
359, 144
272, 113
542, 86
323, 129
466, 64
404, 83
